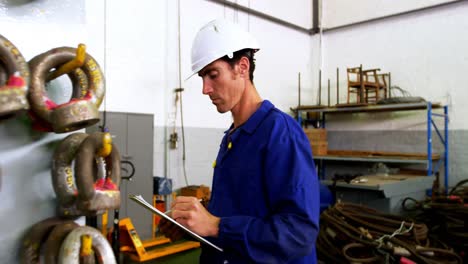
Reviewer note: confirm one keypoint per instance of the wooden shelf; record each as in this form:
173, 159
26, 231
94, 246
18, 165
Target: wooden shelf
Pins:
357, 108
381, 156
318, 113
391, 185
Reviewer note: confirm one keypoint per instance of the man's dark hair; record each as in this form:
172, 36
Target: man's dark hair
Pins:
249, 53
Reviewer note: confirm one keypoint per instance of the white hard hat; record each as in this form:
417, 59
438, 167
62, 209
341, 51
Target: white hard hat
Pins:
217, 39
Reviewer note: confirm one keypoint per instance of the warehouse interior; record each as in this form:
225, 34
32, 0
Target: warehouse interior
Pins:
400, 151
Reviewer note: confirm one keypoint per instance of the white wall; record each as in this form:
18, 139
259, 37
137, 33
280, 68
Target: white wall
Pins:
425, 53
130, 41
283, 55
136, 44
341, 12
138, 48
297, 12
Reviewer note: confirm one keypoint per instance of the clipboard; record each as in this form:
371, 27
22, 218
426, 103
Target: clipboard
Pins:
141, 201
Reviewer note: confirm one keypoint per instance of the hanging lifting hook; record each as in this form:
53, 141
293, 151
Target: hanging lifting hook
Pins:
68, 67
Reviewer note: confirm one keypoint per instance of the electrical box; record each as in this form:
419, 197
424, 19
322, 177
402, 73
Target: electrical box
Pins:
162, 186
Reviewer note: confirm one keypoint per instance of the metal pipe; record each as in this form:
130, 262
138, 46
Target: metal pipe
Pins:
264, 16
337, 86
328, 93
299, 89
389, 84
446, 146
315, 17
320, 88
361, 89
429, 139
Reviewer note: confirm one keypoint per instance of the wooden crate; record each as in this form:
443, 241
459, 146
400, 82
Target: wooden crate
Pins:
199, 191
319, 148
318, 140
316, 134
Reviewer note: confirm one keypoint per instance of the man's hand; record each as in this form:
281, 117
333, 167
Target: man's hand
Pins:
190, 213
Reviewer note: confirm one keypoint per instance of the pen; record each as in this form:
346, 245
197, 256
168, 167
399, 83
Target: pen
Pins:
170, 210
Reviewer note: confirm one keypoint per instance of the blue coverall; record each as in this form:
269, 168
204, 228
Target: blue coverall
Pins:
265, 190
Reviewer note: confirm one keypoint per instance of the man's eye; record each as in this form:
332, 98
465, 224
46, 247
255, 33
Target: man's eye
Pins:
213, 75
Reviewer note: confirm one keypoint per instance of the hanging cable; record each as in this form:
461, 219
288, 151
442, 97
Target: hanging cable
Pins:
174, 138
178, 42
179, 92
116, 232
104, 115
183, 141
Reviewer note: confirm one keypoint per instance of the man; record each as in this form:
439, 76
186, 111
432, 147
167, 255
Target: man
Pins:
264, 206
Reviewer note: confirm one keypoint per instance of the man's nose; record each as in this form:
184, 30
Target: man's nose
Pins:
207, 88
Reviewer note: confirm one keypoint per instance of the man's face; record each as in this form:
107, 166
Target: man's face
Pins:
222, 84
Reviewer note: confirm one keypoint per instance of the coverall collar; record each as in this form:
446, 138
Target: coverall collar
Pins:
256, 118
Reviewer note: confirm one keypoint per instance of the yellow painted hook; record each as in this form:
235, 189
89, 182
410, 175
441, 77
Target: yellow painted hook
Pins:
77, 62
106, 148
86, 245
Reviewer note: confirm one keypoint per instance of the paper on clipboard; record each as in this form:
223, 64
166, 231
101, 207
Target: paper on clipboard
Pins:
139, 199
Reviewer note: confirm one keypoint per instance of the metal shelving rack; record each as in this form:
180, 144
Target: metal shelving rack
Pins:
432, 164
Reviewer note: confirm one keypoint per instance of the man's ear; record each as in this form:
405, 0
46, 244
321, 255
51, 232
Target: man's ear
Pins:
244, 66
